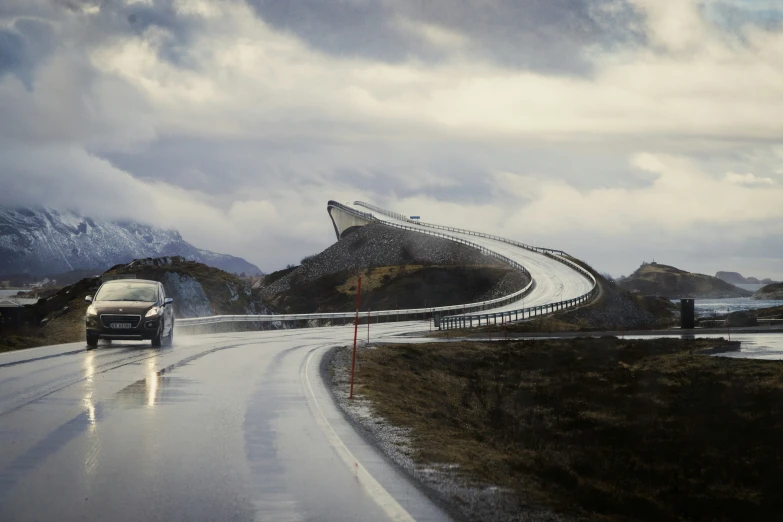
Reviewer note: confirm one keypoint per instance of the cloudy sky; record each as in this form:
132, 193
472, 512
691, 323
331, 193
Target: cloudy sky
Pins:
618, 130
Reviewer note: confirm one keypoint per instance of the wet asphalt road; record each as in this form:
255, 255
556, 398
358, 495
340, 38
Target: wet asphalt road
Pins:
219, 427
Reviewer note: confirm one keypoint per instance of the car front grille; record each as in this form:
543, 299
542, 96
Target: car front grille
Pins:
108, 319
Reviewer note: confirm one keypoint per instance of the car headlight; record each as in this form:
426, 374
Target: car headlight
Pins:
92, 311
153, 312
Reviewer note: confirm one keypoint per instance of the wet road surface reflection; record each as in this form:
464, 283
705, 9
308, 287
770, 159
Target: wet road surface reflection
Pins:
215, 428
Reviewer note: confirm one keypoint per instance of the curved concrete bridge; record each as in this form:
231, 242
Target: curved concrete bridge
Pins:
345, 218
556, 278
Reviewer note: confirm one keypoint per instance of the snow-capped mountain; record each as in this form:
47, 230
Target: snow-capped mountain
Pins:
45, 241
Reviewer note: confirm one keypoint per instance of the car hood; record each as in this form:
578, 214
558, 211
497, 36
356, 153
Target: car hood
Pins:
122, 307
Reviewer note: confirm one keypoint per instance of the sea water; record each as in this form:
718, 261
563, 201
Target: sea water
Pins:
711, 307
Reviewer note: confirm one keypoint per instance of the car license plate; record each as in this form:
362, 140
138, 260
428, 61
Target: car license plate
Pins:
121, 326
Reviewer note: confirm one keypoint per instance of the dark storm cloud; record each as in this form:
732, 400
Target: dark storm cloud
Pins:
441, 170
542, 35
21, 47
30, 38
225, 169
162, 14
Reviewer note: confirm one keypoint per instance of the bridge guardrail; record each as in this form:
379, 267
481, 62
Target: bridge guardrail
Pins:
365, 215
401, 217
453, 321
462, 321
415, 313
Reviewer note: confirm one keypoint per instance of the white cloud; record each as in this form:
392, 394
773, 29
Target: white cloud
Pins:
539, 156
748, 179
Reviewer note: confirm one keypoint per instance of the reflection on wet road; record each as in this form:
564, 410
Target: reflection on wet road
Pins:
219, 427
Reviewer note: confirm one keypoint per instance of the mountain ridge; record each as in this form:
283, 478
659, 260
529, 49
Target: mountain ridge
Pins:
735, 278
47, 241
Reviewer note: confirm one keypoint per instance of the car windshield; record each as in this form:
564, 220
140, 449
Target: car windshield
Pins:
128, 292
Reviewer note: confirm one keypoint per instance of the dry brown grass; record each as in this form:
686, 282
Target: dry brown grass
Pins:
376, 277
611, 429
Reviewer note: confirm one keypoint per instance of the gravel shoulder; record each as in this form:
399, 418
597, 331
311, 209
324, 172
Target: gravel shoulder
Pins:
463, 499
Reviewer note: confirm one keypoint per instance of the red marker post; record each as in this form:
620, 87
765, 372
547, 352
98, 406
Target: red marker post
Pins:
355, 333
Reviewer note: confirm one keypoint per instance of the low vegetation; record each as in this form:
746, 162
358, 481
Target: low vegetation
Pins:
604, 428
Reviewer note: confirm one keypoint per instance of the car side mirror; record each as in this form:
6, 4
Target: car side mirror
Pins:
88, 298
168, 301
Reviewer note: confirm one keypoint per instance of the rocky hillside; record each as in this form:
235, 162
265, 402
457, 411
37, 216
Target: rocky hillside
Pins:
618, 308
735, 278
198, 290
46, 241
400, 269
671, 282
771, 292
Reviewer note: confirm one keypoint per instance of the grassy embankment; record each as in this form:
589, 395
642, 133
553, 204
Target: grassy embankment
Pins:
607, 428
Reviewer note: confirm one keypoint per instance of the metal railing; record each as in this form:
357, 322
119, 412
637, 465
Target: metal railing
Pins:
398, 315
465, 231
364, 215
471, 321
468, 321
444, 321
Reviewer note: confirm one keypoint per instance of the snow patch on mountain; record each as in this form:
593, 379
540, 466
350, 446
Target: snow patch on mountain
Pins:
45, 241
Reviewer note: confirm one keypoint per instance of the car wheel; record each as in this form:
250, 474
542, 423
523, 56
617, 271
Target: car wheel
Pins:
92, 340
157, 342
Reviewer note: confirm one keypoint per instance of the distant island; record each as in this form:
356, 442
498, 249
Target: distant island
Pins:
773, 292
735, 278
668, 281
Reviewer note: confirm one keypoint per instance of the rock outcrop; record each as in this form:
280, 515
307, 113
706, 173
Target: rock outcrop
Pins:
376, 246
400, 269
198, 290
671, 282
773, 292
741, 318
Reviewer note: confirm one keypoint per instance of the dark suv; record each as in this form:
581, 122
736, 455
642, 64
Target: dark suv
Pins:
130, 309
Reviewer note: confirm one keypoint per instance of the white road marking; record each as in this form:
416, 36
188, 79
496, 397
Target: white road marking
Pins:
383, 498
